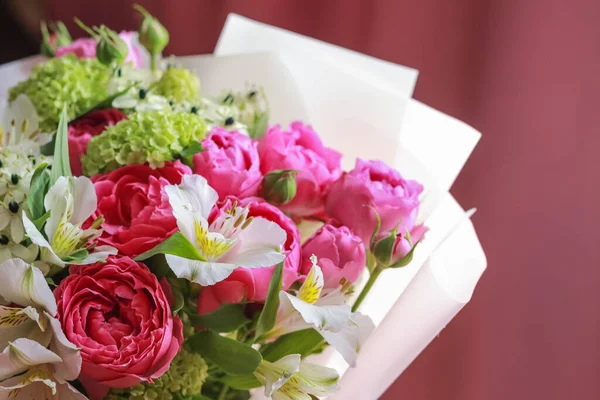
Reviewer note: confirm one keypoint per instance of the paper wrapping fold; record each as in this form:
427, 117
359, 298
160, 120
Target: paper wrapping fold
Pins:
411, 305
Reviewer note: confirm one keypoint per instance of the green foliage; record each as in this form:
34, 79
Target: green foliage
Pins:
77, 84
177, 245
60, 163
228, 318
267, 317
229, 355
304, 342
152, 137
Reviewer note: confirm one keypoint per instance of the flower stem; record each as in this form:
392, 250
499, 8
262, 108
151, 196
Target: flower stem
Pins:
223, 394
153, 62
372, 278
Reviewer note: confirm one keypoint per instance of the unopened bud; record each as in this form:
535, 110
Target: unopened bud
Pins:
383, 249
279, 187
52, 40
110, 48
152, 34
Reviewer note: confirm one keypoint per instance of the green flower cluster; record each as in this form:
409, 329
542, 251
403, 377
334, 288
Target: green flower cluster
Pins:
185, 377
147, 137
178, 84
79, 84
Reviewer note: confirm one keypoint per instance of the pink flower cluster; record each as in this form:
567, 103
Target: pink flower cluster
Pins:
138, 217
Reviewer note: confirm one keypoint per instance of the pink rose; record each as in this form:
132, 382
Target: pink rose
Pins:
300, 148
403, 246
373, 184
136, 209
86, 48
252, 284
119, 316
229, 163
83, 129
341, 254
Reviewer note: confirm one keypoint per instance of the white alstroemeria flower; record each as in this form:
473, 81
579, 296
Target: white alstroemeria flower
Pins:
19, 127
232, 240
274, 375
327, 313
70, 201
28, 370
290, 378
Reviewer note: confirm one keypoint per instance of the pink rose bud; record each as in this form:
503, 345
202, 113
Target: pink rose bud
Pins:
279, 187
395, 249
229, 163
300, 148
373, 187
86, 48
341, 254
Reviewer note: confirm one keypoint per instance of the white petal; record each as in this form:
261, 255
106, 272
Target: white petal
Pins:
28, 254
203, 273
39, 239
70, 366
84, 194
25, 285
194, 194
125, 101
317, 380
186, 222
275, 375
310, 291
22, 109
15, 324
5, 254
259, 245
17, 232
329, 318
350, 339
56, 202
100, 253
22, 354
5, 217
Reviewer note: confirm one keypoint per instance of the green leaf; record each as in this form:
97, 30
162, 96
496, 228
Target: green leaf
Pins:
304, 342
267, 317
60, 164
231, 356
241, 382
50, 282
178, 301
404, 261
187, 154
39, 222
105, 103
176, 245
228, 318
38, 187
260, 125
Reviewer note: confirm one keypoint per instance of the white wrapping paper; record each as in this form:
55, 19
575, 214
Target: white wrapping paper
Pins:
362, 107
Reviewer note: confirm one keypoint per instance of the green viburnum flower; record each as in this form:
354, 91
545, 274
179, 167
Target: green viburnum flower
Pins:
152, 137
79, 84
185, 377
178, 84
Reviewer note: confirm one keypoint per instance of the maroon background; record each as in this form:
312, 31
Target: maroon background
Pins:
525, 73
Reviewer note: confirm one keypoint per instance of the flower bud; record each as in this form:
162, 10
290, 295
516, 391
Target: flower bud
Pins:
111, 49
153, 35
279, 186
383, 249
50, 42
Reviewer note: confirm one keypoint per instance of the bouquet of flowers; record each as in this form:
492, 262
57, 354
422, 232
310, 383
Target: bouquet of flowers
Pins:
159, 241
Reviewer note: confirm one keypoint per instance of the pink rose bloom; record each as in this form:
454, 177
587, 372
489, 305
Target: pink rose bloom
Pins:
229, 163
300, 148
373, 185
86, 48
252, 284
135, 207
340, 254
83, 129
119, 316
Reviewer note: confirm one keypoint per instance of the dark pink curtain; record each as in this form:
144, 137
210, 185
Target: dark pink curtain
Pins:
525, 73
